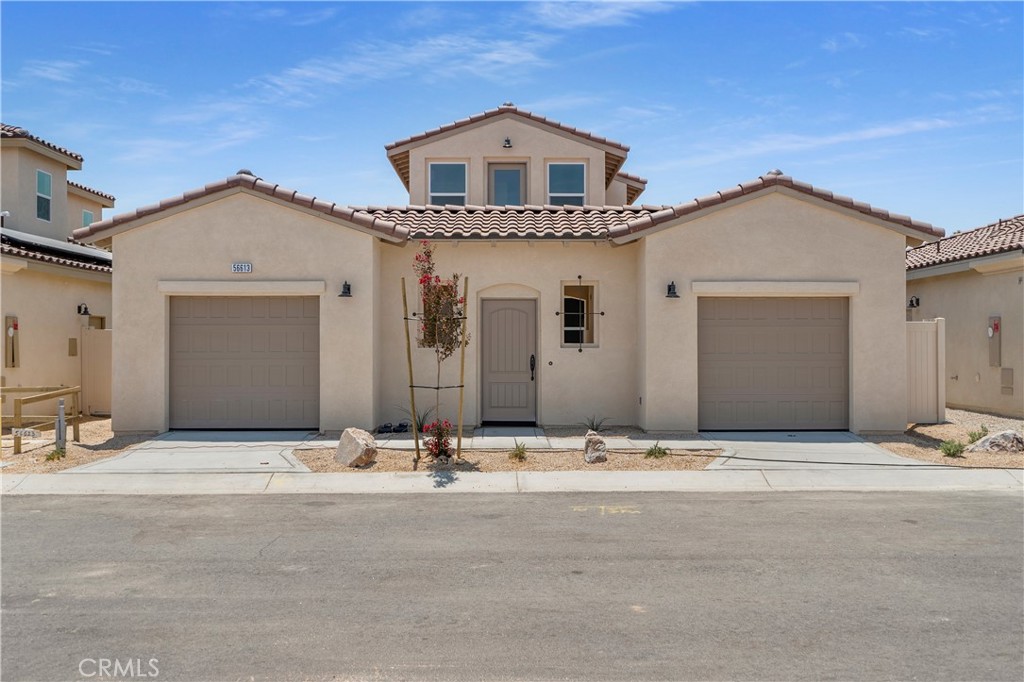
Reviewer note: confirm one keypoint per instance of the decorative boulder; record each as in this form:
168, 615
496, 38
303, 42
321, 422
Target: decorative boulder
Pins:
1004, 441
594, 450
356, 448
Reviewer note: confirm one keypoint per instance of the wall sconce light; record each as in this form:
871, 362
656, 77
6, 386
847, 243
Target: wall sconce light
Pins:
83, 309
672, 293
507, 144
914, 302
346, 290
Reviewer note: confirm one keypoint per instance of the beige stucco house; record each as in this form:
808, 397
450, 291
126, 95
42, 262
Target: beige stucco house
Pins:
52, 291
765, 305
975, 280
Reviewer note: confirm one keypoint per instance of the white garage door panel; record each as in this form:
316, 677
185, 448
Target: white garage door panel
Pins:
245, 362
773, 363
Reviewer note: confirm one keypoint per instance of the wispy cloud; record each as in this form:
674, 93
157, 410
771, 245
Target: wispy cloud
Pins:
57, 70
102, 49
286, 14
565, 102
571, 15
843, 41
925, 33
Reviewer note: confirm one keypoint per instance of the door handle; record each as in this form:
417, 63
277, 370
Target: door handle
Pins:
533, 365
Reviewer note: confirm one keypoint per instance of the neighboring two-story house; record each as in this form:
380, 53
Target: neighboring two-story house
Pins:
766, 305
53, 290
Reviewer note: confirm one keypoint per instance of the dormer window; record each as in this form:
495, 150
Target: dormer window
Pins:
566, 184
87, 218
448, 184
506, 184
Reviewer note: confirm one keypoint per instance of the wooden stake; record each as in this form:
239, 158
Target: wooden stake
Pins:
462, 362
412, 391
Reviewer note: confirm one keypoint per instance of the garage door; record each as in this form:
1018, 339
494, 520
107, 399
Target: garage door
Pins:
245, 363
773, 363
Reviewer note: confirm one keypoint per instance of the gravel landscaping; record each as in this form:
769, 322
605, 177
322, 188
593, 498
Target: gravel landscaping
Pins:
322, 460
921, 441
98, 442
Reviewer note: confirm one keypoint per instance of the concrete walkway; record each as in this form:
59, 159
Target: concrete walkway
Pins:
262, 463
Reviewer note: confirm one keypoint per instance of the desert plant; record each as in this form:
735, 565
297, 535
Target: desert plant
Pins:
58, 453
518, 453
974, 436
594, 423
656, 451
952, 448
422, 417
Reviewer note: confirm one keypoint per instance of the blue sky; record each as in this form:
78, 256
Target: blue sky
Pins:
914, 107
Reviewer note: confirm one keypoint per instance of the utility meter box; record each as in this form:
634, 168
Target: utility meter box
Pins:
995, 356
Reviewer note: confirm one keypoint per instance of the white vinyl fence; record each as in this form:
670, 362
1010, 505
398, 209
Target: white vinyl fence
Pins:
926, 371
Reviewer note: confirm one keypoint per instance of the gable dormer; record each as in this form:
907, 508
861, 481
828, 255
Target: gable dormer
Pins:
510, 156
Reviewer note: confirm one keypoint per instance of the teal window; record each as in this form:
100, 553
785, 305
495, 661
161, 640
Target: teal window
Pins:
448, 184
44, 195
87, 218
566, 184
507, 184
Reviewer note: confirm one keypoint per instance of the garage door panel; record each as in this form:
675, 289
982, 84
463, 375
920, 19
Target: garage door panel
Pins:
773, 363
247, 362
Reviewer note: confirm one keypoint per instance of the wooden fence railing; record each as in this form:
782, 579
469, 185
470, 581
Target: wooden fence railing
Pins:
72, 416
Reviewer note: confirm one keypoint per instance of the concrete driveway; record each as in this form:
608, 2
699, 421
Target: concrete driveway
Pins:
212, 452
767, 450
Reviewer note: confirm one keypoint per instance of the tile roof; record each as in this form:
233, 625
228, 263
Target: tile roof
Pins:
90, 190
506, 108
509, 222
51, 251
775, 178
623, 175
999, 237
9, 131
245, 180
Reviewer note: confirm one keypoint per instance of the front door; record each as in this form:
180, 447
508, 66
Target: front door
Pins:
509, 357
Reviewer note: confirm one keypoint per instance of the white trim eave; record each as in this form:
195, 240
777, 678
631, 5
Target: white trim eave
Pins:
765, 288
241, 288
998, 262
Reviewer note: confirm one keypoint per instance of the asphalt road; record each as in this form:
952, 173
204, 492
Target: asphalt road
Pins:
650, 586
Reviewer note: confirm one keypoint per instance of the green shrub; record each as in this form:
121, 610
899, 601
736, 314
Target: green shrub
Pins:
594, 423
59, 453
974, 436
656, 451
952, 448
518, 452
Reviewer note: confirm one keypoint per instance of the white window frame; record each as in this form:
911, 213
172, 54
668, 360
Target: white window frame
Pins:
49, 198
588, 315
430, 190
91, 218
551, 195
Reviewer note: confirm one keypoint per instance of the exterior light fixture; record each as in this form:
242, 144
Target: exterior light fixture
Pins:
672, 293
83, 309
914, 302
346, 290
507, 144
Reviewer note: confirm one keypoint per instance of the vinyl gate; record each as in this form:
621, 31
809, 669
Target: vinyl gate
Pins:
926, 371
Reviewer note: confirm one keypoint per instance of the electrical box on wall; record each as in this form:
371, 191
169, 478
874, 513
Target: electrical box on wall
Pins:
995, 325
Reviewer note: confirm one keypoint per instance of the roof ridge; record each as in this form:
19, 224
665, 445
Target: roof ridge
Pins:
506, 108
90, 189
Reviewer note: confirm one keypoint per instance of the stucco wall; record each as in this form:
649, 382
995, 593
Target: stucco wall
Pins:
570, 385
967, 300
45, 298
77, 204
283, 244
776, 237
532, 144
19, 193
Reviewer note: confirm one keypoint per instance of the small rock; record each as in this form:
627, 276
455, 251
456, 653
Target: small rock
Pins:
356, 448
594, 450
1004, 441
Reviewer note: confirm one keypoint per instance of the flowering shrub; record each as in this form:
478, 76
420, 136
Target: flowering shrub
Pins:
439, 443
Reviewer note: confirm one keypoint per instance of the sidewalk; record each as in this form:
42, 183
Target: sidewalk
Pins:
257, 463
